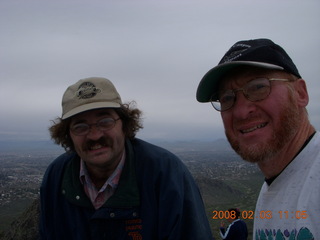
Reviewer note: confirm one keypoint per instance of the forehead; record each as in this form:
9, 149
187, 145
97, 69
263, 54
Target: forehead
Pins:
241, 75
95, 113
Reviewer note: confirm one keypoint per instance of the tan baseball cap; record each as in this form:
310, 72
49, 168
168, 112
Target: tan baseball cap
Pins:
87, 94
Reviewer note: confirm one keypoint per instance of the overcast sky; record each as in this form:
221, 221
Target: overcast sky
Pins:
155, 52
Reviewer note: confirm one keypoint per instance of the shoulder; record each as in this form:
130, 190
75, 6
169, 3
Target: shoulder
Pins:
147, 150
52, 178
57, 166
241, 222
61, 160
150, 156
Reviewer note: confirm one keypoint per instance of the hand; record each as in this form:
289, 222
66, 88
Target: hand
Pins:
222, 224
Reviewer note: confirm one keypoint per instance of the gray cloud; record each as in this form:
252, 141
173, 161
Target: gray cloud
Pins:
155, 52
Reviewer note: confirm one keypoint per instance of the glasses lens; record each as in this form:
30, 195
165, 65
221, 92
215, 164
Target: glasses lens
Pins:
214, 100
257, 89
227, 100
216, 105
80, 129
106, 124
224, 102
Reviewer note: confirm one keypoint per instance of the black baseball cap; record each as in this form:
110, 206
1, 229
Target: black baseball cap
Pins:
262, 53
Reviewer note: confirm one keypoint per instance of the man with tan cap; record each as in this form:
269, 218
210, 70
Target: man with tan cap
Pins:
262, 100
109, 184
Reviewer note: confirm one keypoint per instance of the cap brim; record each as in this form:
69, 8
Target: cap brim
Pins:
90, 106
210, 81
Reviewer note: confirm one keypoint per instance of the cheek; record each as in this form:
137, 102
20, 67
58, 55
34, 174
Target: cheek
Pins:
77, 142
118, 134
226, 120
120, 140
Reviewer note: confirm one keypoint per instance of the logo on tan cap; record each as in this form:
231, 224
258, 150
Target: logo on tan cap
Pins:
87, 90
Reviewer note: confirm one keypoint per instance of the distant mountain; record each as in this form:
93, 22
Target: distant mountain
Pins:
174, 146
184, 146
19, 146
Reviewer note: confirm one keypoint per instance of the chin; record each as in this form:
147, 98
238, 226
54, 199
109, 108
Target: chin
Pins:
253, 152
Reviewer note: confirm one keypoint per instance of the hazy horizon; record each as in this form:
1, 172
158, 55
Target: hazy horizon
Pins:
155, 52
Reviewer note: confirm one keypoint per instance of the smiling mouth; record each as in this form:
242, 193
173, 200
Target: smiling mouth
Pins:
91, 145
96, 147
253, 128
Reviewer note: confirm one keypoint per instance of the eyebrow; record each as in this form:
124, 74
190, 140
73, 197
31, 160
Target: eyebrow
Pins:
104, 112
101, 113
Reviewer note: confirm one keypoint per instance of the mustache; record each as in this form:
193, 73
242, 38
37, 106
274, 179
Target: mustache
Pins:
103, 141
247, 120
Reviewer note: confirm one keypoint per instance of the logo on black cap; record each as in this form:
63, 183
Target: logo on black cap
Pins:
235, 52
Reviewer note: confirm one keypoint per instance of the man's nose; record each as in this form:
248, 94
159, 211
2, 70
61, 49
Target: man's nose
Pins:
94, 132
242, 106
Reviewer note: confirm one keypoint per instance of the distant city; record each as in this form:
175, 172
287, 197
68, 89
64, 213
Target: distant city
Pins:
223, 178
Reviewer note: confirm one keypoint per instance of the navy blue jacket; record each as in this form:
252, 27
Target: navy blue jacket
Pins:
156, 198
237, 230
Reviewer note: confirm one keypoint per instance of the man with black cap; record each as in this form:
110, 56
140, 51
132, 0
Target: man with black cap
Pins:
262, 100
109, 184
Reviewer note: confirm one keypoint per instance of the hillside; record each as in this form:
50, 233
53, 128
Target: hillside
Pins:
223, 178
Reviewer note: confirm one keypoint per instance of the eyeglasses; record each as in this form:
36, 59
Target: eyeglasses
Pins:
105, 124
254, 90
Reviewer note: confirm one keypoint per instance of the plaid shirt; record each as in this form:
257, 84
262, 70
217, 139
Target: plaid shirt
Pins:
99, 197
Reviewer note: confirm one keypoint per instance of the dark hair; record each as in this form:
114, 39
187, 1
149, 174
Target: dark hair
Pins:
236, 210
131, 123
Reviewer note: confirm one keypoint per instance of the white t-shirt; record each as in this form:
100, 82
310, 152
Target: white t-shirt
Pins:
290, 207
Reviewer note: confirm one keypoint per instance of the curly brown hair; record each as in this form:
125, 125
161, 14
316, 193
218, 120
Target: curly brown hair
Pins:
130, 116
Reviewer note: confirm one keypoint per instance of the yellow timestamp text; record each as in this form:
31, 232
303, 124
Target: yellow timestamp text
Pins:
261, 214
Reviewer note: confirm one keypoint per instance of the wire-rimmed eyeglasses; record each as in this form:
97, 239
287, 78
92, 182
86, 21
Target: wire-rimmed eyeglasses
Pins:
255, 90
105, 124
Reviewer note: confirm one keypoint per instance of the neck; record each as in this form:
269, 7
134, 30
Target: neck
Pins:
275, 165
100, 174
99, 177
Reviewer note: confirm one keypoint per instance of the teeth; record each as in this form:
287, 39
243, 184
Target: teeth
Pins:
254, 128
96, 147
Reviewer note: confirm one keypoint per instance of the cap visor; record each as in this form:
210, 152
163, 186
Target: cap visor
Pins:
210, 81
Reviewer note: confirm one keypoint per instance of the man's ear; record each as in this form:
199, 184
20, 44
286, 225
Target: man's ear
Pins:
302, 95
